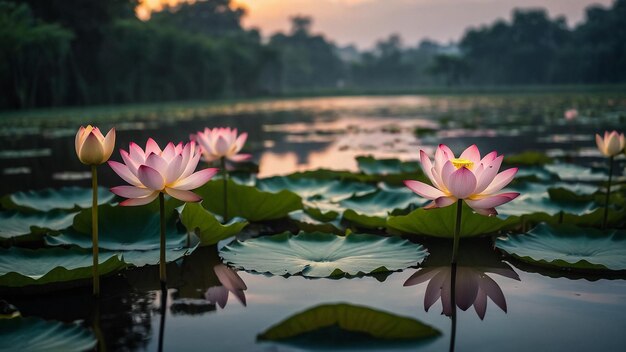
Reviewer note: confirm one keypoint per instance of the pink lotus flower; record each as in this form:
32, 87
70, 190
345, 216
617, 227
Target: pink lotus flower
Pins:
221, 143
231, 282
612, 144
470, 178
570, 114
472, 287
155, 171
92, 148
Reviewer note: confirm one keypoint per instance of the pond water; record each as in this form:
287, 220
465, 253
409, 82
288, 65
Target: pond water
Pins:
527, 309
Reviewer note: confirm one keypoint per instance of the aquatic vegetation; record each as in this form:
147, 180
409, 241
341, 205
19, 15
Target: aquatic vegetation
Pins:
611, 145
36, 334
208, 229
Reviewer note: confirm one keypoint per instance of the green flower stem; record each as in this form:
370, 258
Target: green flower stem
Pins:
608, 195
453, 305
225, 180
457, 230
94, 229
162, 268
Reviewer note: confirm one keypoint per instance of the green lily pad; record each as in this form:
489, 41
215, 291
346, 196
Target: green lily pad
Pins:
381, 203
568, 246
571, 172
248, 202
323, 255
528, 158
66, 198
152, 257
18, 225
536, 198
315, 189
440, 222
35, 334
123, 228
205, 225
353, 326
22, 267
371, 166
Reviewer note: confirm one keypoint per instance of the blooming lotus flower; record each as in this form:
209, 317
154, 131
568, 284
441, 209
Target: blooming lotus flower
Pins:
472, 287
231, 283
92, 148
221, 143
155, 171
570, 114
612, 144
470, 178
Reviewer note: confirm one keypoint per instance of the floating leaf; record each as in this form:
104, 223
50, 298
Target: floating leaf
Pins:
568, 246
17, 224
535, 198
350, 325
371, 166
528, 158
123, 228
35, 334
440, 222
152, 257
66, 198
321, 254
205, 225
248, 202
315, 189
381, 203
571, 172
22, 267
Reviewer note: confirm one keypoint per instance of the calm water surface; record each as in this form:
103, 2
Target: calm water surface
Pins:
545, 311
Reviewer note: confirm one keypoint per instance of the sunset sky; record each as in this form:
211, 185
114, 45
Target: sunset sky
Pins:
362, 22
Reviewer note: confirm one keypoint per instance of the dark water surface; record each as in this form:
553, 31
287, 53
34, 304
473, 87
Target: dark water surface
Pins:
545, 311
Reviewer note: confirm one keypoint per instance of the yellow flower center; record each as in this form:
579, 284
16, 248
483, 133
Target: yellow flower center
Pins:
459, 163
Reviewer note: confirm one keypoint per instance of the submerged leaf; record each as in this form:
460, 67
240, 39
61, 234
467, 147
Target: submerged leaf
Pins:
322, 255
350, 325
36, 334
568, 246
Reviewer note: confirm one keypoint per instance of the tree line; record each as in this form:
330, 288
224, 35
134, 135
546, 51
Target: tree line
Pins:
82, 52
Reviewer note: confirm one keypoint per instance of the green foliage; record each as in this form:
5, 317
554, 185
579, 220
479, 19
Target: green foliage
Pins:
36, 334
66, 198
439, 222
528, 158
204, 224
248, 202
323, 255
32, 226
568, 246
372, 324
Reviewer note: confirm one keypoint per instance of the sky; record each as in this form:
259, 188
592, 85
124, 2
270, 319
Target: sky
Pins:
363, 22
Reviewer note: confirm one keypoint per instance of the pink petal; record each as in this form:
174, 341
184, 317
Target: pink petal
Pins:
78, 140
488, 174
423, 189
123, 172
150, 178
443, 202
130, 162
190, 166
471, 153
217, 294
91, 152
196, 180
221, 146
229, 278
169, 152
493, 291
240, 157
139, 201
486, 212
433, 290
447, 170
136, 154
480, 304
427, 166
174, 169
240, 141
466, 287
492, 201
442, 155
185, 196
500, 181
109, 144
152, 147
420, 276
157, 162
489, 157
462, 183
131, 192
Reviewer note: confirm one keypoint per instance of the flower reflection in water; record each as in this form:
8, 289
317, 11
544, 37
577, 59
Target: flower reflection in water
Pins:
472, 286
231, 282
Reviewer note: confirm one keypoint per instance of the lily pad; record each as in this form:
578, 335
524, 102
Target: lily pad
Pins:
381, 203
536, 198
22, 267
151, 257
320, 254
528, 158
248, 202
205, 225
123, 229
35, 334
371, 166
353, 326
15, 224
571, 172
568, 246
66, 198
440, 222
315, 189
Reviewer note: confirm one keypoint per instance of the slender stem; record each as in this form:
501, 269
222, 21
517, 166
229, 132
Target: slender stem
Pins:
608, 195
162, 268
225, 180
453, 305
163, 311
94, 229
457, 230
